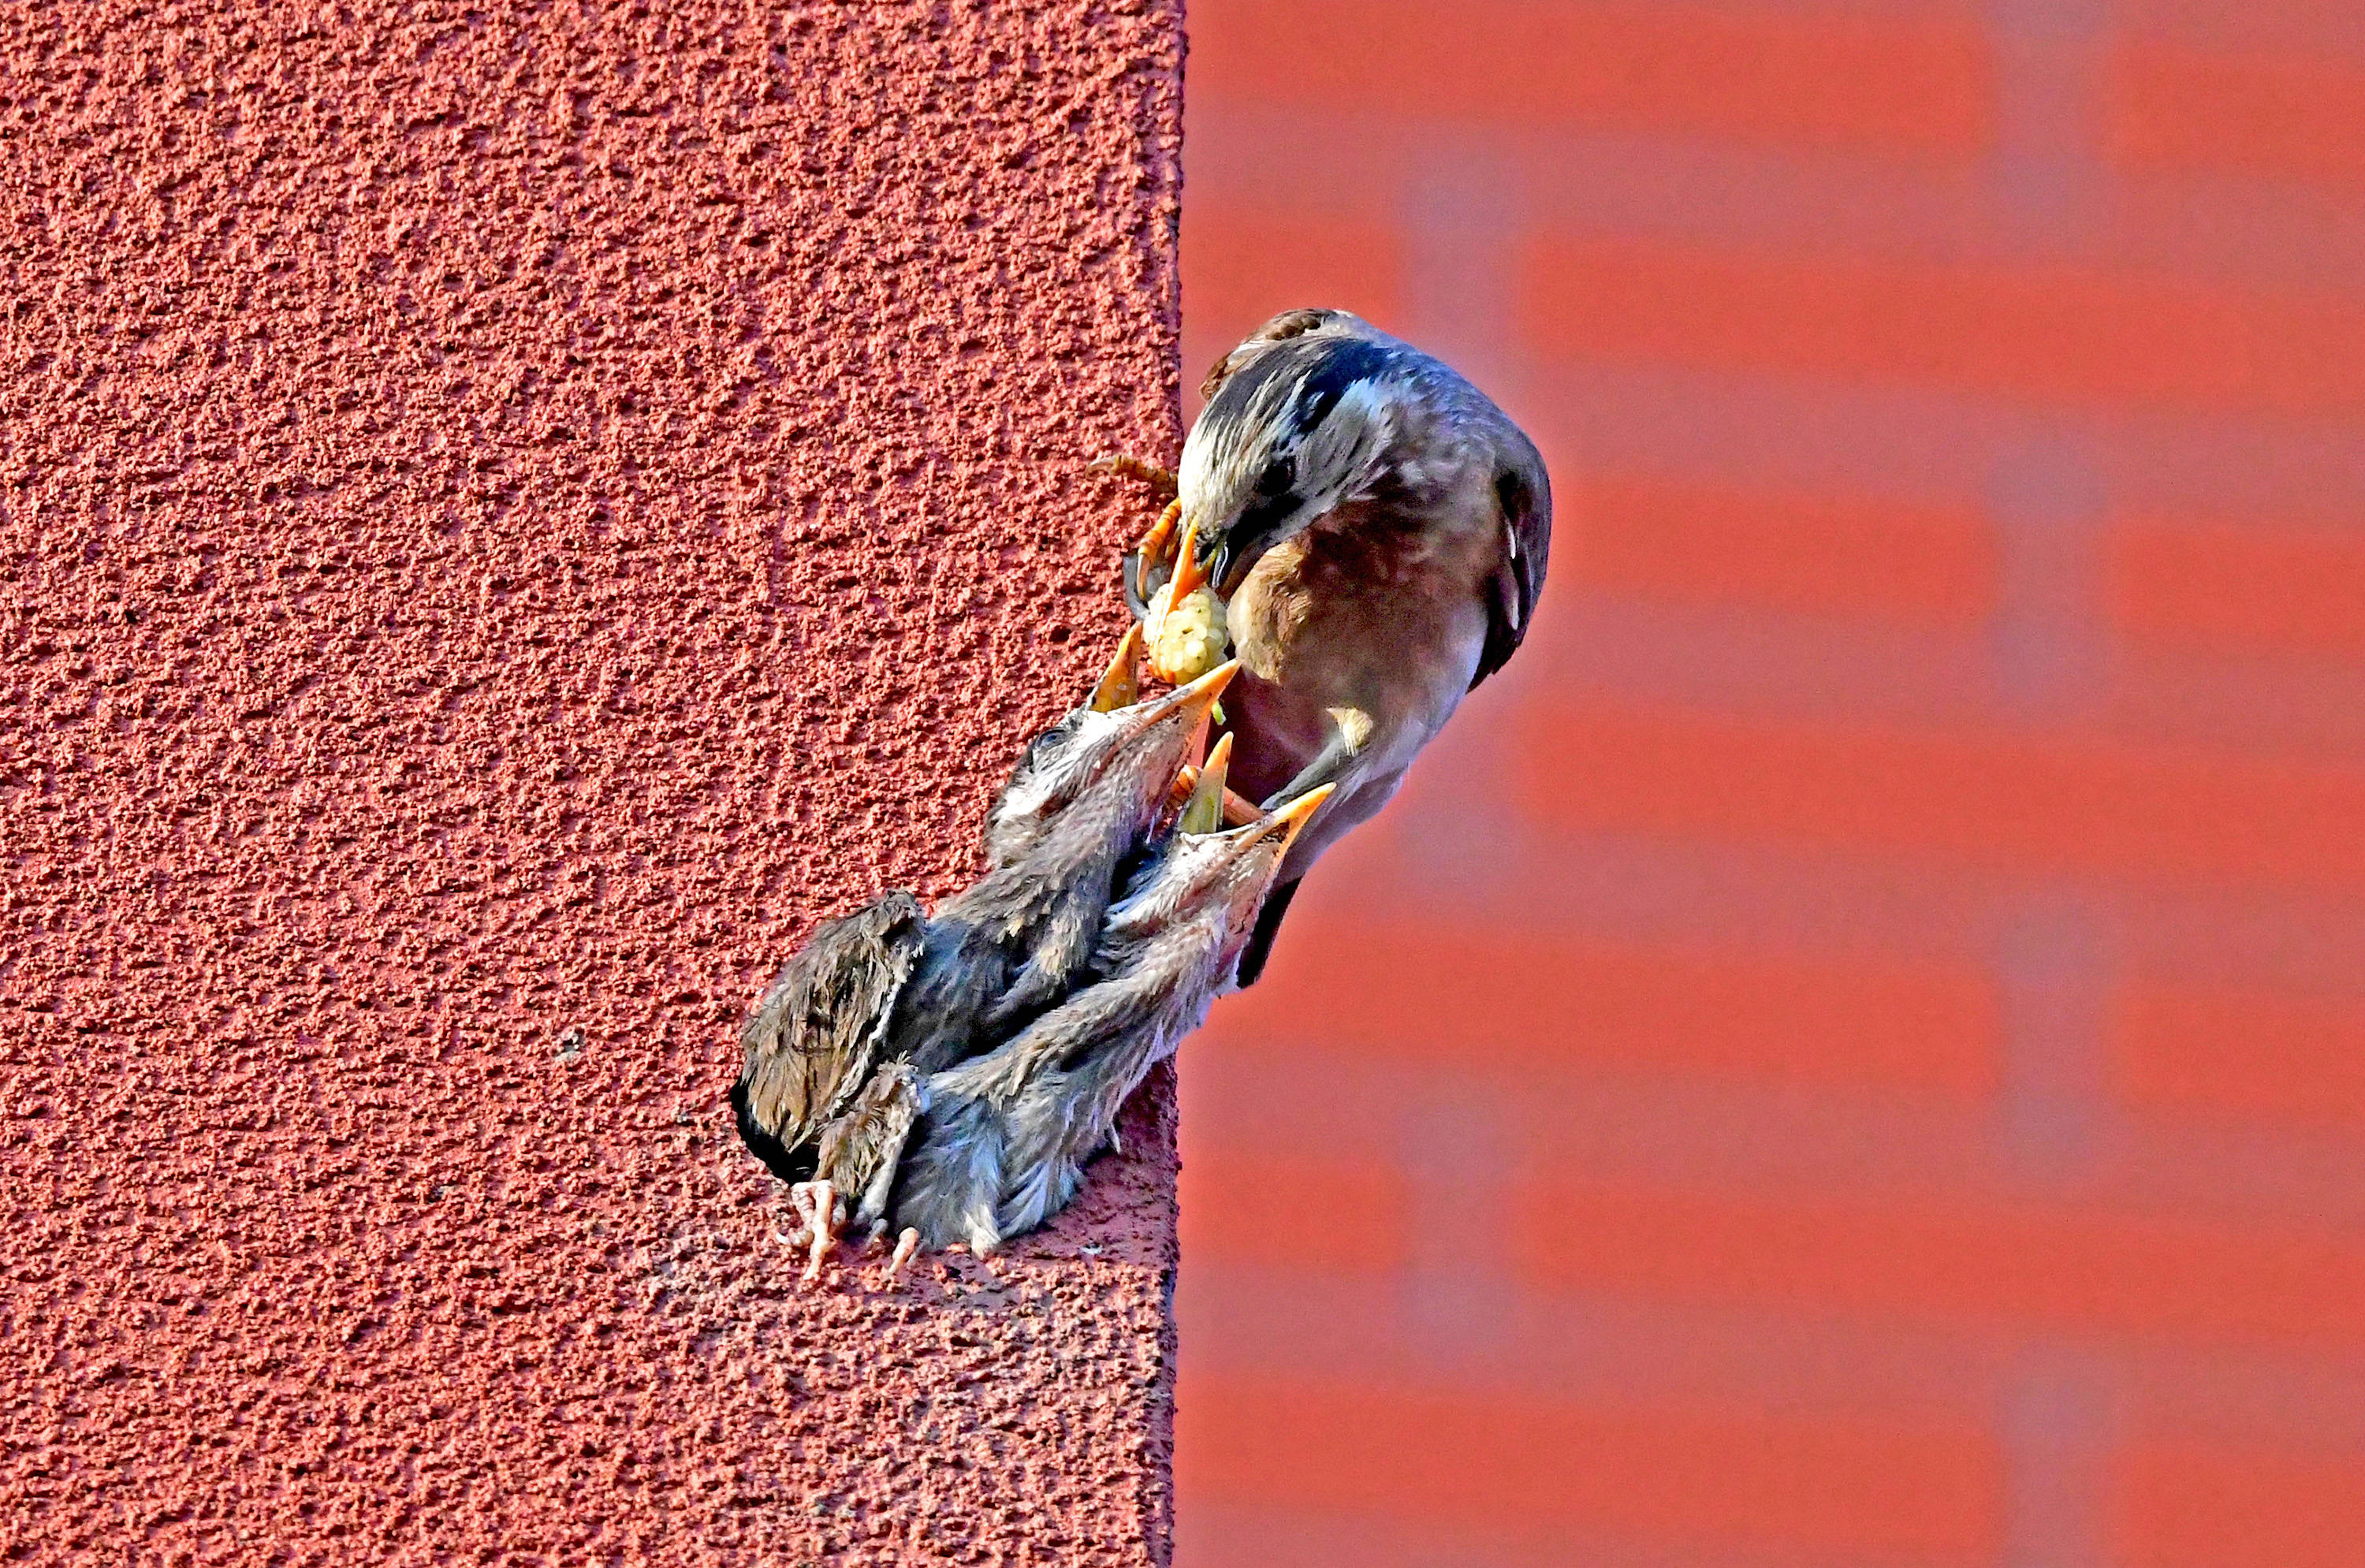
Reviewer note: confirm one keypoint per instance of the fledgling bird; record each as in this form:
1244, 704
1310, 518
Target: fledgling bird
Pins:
1378, 531
810, 1043
833, 1053
1056, 764
1018, 938
811, 1101
1001, 1144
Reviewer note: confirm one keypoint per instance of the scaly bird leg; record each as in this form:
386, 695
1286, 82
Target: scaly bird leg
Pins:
822, 1195
1160, 481
1147, 558
1158, 543
905, 1244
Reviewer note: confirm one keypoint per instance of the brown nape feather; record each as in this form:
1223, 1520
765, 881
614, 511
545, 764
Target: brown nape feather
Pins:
1280, 329
811, 1042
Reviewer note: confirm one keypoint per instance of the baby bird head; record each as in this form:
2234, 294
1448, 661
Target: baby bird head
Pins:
1214, 878
1299, 420
1114, 737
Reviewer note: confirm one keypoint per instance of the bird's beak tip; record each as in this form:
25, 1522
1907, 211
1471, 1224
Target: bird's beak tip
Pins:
1293, 816
1201, 694
1204, 812
1120, 684
1190, 572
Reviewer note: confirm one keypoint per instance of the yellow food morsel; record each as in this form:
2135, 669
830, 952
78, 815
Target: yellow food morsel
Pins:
1189, 640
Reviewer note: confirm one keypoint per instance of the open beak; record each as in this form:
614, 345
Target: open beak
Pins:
1199, 697
1121, 686
1204, 812
1194, 704
1291, 819
1190, 572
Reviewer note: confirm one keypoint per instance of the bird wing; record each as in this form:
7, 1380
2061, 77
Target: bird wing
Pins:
860, 1148
1050, 1042
956, 1171
1524, 496
810, 1044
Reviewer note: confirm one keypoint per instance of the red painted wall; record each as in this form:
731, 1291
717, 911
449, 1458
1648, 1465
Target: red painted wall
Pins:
503, 523
1850, 1052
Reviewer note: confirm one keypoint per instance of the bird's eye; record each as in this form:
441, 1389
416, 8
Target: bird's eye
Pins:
1278, 480
1275, 498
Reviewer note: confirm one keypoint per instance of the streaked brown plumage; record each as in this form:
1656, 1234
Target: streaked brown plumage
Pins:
1380, 530
815, 1037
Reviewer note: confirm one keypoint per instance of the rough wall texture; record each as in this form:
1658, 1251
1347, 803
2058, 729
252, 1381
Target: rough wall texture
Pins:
505, 523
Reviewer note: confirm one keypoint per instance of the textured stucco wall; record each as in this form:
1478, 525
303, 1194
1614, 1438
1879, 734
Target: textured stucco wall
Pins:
503, 523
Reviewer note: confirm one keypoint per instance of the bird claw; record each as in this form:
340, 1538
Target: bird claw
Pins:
1161, 480
906, 1246
817, 1204
1157, 546
1150, 565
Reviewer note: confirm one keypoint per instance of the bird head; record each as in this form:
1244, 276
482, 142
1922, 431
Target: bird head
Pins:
1111, 735
1299, 422
1209, 871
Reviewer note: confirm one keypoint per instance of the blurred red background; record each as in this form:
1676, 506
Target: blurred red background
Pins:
1853, 1050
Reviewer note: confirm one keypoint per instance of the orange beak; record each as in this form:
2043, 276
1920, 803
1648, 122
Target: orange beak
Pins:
1291, 819
1201, 694
1197, 701
1121, 686
1205, 811
1190, 576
